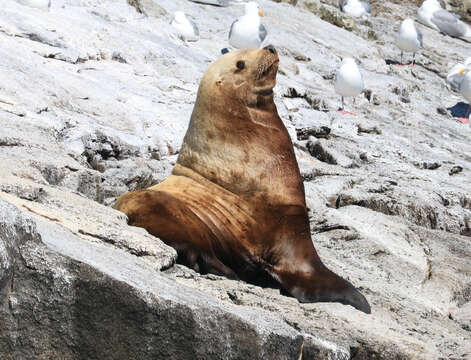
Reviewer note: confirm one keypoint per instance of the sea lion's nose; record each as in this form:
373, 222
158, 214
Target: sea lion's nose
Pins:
270, 48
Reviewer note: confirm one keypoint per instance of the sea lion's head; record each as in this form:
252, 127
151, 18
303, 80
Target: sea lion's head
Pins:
244, 76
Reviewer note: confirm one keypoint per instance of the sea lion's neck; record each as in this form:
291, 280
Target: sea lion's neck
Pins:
247, 153
264, 117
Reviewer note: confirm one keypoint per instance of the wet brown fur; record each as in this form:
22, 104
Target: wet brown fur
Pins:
234, 204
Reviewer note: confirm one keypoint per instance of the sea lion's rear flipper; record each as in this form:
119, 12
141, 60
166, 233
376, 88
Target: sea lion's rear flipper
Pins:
324, 286
300, 271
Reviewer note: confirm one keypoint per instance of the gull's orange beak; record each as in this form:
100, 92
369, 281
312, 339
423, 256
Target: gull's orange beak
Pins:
462, 71
260, 13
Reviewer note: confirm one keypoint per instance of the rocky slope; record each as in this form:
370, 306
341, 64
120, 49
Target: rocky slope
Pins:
95, 98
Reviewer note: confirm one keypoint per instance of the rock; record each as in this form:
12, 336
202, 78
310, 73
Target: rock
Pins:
87, 291
463, 316
428, 165
148, 7
95, 103
291, 2
320, 150
369, 130
455, 170
320, 132
331, 16
16, 229
213, 2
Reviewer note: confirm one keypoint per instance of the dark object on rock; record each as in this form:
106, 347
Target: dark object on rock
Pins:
441, 110
320, 152
302, 58
369, 130
224, 51
213, 2
148, 7
428, 166
291, 2
455, 170
317, 132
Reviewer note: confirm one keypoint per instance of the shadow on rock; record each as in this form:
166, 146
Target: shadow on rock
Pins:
394, 62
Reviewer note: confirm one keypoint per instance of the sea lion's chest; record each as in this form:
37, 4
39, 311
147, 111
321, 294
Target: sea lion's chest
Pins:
250, 155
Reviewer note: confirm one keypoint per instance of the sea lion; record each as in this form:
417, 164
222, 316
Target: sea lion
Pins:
234, 204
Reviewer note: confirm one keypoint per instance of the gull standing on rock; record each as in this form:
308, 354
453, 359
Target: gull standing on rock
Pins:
454, 78
465, 90
248, 32
186, 28
38, 4
348, 80
355, 7
409, 38
432, 15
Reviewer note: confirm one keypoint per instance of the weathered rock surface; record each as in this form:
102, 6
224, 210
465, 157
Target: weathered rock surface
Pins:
62, 297
95, 99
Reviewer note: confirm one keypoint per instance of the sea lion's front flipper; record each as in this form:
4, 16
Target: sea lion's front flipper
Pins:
171, 219
198, 231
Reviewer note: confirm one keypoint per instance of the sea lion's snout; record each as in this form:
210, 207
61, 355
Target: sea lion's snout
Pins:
266, 70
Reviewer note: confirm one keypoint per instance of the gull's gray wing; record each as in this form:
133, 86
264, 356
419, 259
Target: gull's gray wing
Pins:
230, 31
343, 4
366, 6
449, 24
420, 37
195, 27
262, 32
454, 81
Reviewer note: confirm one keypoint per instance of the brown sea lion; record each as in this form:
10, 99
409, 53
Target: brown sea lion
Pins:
234, 204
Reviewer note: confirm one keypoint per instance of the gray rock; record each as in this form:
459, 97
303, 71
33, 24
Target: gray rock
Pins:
95, 103
320, 150
148, 7
213, 2
66, 298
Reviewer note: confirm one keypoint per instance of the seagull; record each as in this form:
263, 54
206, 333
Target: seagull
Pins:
432, 15
409, 38
348, 80
355, 7
425, 13
454, 78
465, 90
38, 4
186, 28
248, 32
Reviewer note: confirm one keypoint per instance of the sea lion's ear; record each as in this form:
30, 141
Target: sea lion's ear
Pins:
219, 82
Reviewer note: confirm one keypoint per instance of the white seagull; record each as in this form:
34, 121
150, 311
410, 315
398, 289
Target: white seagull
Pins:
454, 78
355, 7
348, 80
409, 38
186, 28
248, 32
432, 15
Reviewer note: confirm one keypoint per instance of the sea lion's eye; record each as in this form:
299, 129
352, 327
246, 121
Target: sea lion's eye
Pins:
240, 64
